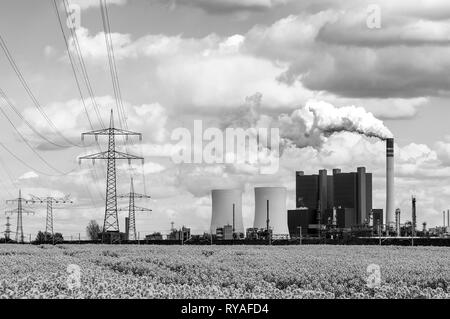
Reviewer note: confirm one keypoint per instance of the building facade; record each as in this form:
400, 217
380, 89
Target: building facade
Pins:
345, 196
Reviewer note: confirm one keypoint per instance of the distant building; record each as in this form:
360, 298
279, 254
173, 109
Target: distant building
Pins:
252, 233
228, 232
300, 217
377, 218
154, 236
219, 233
183, 233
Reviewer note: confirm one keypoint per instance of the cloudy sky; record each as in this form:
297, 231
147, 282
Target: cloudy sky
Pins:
182, 60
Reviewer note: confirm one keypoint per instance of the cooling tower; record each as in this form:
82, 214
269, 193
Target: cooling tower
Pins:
277, 210
222, 209
390, 211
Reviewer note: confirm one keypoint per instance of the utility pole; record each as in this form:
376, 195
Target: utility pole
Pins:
132, 208
379, 232
19, 211
300, 234
319, 219
233, 219
267, 226
111, 220
414, 216
49, 201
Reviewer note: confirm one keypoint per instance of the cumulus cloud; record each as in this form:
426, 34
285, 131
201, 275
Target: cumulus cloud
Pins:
290, 61
443, 152
71, 119
29, 175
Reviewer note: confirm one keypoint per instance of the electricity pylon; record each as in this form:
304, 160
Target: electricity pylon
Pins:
111, 221
7, 230
49, 201
19, 211
132, 209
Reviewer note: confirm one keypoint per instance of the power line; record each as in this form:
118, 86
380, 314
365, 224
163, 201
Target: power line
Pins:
115, 77
29, 91
11, 180
31, 167
72, 63
112, 63
11, 105
80, 60
85, 78
28, 144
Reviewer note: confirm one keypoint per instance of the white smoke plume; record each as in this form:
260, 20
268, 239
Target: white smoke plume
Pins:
313, 123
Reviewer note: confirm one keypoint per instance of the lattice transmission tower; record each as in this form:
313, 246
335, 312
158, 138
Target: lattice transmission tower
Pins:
19, 211
49, 201
132, 209
7, 230
111, 220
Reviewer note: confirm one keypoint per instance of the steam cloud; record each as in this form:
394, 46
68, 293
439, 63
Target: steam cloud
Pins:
313, 123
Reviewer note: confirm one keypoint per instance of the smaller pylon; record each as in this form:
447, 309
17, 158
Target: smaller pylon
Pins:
19, 211
7, 230
49, 201
132, 208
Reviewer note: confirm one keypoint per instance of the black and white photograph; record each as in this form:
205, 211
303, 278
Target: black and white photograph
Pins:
225, 157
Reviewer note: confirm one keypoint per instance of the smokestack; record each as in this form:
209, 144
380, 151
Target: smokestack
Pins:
389, 182
336, 171
448, 217
414, 217
443, 217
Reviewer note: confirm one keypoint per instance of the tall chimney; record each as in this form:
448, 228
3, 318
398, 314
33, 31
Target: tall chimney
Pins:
448, 217
414, 217
443, 217
390, 211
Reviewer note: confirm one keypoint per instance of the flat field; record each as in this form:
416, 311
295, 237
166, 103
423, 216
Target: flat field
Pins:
101, 271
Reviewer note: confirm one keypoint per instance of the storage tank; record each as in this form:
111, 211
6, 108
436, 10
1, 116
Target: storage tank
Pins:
222, 209
277, 210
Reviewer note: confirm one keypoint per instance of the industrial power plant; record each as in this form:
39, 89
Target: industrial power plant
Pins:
327, 206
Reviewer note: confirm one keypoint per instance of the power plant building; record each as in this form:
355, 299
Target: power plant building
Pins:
377, 218
347, 197
300, 217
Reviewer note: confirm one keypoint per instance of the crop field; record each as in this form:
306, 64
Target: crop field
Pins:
100, 271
